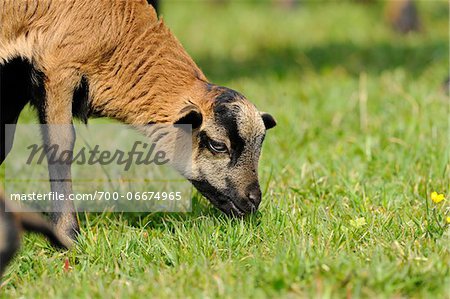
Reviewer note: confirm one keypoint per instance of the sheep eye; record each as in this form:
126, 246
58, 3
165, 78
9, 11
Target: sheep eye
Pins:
217, 147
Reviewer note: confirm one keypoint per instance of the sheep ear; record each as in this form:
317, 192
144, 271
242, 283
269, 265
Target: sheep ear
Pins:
190, 115
269, 121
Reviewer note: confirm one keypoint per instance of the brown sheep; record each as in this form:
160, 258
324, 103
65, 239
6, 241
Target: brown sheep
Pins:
115, 59
402, 15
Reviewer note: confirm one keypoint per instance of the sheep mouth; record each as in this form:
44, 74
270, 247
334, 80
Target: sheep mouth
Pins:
228, 206
231, 206
237, 211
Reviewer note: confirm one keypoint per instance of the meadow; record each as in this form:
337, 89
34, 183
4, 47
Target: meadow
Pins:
362, 141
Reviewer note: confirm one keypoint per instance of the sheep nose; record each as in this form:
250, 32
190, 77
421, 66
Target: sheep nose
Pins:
254, 195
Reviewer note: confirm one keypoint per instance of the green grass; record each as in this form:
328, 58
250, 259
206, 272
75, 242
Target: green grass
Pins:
331, 160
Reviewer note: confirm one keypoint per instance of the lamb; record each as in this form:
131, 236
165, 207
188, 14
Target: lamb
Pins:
116, 59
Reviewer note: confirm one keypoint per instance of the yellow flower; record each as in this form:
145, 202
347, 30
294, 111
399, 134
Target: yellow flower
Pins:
359, 222
437, 198
447, 219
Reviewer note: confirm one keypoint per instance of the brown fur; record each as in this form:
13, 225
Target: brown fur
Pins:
137, 73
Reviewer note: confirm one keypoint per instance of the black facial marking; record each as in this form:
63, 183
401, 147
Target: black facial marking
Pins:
227, 95
223, 94
228, 202
210, 192
227, 118
203, 137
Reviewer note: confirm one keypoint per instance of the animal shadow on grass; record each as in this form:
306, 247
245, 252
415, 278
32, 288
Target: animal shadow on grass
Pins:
166, 221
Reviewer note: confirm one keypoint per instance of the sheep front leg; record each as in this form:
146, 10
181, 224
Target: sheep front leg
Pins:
59, 139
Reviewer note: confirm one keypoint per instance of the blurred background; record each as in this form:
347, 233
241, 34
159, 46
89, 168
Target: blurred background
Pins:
359, 93
346, 80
